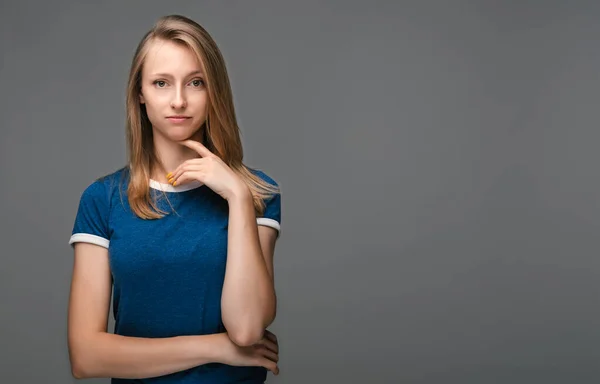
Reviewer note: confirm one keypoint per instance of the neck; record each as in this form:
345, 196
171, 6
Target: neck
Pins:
171, 154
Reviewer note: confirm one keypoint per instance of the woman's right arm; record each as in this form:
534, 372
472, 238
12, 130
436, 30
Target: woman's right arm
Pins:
94, 352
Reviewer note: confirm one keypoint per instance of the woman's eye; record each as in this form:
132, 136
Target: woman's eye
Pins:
196, 83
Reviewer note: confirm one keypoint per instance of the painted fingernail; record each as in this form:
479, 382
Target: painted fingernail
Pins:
169, 175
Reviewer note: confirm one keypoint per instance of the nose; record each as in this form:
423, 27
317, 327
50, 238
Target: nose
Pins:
178, 101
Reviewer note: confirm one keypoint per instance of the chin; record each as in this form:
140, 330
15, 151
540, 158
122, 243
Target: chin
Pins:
179, 137
179, 134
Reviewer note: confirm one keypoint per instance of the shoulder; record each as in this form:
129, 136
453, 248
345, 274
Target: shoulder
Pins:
264, 176
103, 187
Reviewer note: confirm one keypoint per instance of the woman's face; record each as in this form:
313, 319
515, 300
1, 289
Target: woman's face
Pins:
173, 85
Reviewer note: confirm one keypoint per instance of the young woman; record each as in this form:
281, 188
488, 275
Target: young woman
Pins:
185, 232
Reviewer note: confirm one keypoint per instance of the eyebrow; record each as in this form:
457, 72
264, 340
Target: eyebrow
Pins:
196, 72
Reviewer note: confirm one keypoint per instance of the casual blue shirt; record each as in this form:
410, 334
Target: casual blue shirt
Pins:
167, 273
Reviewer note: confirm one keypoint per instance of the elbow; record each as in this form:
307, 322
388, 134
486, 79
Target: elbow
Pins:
80, 363
248, 335
251, 331
246, 339
78, 369
77, 373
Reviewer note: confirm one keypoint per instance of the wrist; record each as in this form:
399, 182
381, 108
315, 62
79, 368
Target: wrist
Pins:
218, 348
241, 194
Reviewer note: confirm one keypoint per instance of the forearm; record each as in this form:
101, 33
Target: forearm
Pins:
110, 355
248, 299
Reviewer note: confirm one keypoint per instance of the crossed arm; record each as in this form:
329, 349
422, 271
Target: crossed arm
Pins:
248, 302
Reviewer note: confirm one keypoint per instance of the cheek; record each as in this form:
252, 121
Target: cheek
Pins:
151, 111
157, 99
154, 110
198, 98
197, 105
155, 104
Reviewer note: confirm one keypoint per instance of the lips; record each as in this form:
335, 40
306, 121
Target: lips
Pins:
178, 119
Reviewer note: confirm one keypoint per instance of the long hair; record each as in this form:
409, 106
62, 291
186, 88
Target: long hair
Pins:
220, 130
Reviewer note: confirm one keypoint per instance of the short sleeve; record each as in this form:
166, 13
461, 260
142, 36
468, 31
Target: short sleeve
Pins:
271, 216
91, 221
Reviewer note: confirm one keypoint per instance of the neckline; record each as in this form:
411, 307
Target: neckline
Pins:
178, 188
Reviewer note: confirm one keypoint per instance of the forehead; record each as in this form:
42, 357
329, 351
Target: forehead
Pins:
166, 56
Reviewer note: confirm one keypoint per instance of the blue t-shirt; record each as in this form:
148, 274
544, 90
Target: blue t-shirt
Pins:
167, 273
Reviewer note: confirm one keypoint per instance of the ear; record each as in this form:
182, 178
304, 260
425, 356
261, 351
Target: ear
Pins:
142, 101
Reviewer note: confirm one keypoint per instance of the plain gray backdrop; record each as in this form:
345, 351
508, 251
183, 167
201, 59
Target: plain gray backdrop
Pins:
438, 164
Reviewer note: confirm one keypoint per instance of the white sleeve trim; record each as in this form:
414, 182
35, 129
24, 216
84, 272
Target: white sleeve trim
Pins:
89, 238
269, 223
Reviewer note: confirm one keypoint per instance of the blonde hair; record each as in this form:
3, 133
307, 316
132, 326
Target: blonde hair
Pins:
221, 131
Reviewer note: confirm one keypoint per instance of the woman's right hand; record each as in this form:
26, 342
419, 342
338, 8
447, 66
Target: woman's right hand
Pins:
265, 353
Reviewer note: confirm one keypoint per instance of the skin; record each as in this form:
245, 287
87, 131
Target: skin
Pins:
173, 84
181, 92
94, 352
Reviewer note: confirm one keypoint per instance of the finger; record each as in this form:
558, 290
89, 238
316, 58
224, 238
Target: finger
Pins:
183, 166
191, 166
187, 176
197, 146
269, 345
269, 354
270, 335
272, 341
270, 365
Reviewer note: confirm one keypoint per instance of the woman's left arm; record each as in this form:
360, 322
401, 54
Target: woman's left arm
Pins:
248, 301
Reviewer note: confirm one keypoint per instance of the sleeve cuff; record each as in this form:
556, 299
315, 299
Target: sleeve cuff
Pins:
269, 223
89, 238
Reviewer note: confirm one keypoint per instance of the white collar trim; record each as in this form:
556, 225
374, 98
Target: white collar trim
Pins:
178, 188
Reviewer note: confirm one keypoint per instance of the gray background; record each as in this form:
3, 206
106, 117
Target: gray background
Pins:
438, 162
